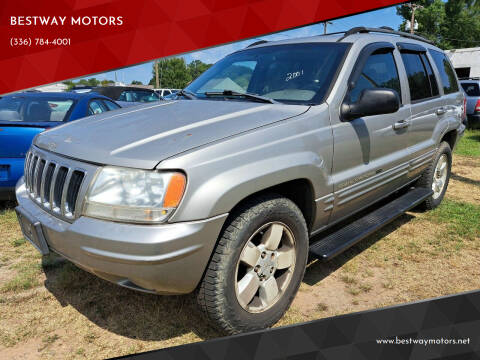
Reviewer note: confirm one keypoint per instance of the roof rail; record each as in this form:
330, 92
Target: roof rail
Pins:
383, 30
256, 43
469, 78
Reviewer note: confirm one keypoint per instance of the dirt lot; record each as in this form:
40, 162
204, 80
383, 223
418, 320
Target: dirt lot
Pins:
51, 309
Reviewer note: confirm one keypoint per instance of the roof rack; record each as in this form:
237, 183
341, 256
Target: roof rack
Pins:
470, 78
256, 43
383, 30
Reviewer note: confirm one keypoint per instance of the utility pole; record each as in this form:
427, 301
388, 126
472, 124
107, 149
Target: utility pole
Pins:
414, 7
157, 85
325, 23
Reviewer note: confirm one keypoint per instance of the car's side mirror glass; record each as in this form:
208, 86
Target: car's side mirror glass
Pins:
371, 102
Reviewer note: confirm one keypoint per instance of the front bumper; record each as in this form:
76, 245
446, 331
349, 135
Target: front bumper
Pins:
166, 259
11, 169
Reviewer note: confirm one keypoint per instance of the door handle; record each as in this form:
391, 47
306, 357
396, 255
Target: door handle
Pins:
441, 111
402, 124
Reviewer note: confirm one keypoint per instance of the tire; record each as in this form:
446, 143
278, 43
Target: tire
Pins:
428, 176
221, 292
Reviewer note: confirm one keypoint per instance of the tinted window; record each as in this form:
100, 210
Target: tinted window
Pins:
431, 75
34, 109
96, 107
138, 96
471, 89
293, 73
447, 75
379, 71
417, 77
111, 105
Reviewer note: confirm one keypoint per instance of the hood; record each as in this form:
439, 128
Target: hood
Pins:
142, 136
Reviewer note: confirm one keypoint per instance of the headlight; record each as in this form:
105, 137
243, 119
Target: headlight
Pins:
134, 195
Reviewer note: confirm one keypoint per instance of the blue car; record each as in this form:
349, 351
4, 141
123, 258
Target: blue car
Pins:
24, 115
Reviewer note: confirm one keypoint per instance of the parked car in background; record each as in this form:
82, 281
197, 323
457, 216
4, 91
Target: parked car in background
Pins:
166, 92
128, 95
471, 88
24, 115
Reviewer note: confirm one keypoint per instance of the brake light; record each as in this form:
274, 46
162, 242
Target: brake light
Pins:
464, 107
477, 106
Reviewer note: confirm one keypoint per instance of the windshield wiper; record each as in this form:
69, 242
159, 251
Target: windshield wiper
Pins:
188, 94
239, 94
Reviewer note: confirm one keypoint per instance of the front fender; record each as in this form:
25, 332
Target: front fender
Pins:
221, 175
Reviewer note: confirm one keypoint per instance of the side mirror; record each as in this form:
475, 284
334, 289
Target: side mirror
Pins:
371, 102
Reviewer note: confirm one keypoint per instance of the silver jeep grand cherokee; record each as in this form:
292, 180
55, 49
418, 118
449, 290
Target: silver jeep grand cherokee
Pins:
221, 190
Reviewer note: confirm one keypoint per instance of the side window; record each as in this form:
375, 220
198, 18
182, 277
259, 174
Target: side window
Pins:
127, 96
431, 75
111, 105
96, 107
447, 74
417, 77
379, 71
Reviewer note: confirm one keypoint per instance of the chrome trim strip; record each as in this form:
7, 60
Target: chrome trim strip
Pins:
35, 173
53, 206
381, 183
66, 186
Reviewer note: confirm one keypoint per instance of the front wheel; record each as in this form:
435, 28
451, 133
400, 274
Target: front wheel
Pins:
257, 266
437, 176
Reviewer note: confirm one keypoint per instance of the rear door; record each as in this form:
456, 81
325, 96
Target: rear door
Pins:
453, 97
426, 103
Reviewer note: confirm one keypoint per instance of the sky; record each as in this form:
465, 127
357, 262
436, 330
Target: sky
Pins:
377, 18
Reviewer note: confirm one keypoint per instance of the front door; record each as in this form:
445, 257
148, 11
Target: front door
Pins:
370, 159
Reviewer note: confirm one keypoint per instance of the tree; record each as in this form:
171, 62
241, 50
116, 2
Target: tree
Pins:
174, 73
450, 25
136, 82
107, 82
196, 68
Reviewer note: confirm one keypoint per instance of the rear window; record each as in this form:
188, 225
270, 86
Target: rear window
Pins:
471, 89
447, 74
25, 109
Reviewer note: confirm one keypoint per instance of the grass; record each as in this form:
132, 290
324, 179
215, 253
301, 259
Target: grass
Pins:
49, 308
470, 144
462, 219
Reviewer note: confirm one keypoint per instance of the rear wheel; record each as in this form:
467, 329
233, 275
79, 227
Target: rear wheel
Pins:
257, 266
437, 176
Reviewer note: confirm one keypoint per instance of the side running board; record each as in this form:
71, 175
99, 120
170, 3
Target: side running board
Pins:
333, 244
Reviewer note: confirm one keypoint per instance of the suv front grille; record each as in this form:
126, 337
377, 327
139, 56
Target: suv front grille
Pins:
52, 185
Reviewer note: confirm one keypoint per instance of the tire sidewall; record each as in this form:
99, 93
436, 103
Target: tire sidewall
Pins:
443, 149
279, 212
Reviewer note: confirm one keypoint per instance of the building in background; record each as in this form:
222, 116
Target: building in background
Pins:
465, 61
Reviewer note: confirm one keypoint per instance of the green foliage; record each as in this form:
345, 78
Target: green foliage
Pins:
175, 73
136, 82
469, 145
461, 219
88, 82
107, 82
451, 24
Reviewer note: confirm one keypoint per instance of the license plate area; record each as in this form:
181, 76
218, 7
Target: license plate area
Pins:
32, 230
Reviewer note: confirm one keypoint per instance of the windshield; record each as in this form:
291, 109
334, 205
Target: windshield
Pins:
26, 109
293, 73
